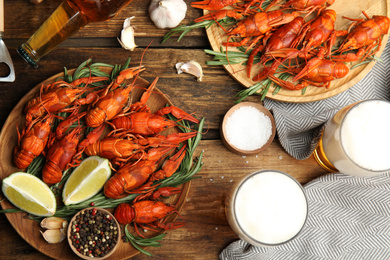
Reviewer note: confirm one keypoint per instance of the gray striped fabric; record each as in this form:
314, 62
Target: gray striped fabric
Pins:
299, 126
349, 219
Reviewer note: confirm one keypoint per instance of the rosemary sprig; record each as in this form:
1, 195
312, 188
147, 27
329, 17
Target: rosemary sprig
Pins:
10, 210
35, 167
261, 86
232, 57
374, 58
138, 242
184, 29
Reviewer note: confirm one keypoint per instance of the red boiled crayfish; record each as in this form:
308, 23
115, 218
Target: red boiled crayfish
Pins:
213, 4
314, 33
147, 214
258, 25
112, 102
60, 155
218, 15
145, 123
282, 38
32, 141
307, 5
57, 96
132, 176
115, 147
365, 36
317, 72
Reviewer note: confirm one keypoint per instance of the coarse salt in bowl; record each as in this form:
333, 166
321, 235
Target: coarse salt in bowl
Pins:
248, 128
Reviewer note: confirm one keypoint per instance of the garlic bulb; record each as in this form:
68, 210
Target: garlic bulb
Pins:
167, 13
127, 36
190, 67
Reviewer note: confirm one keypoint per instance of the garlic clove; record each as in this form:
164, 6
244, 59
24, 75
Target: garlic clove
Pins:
127, 36
64, 225
53, 223
53, 236
190, 67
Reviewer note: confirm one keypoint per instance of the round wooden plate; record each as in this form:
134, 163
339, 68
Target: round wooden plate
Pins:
348, 8
29, 229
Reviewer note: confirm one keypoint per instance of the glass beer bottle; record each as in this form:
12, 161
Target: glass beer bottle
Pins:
70, 16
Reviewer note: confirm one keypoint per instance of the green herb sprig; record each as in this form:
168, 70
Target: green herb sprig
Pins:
138, 242
232, 57
184, 29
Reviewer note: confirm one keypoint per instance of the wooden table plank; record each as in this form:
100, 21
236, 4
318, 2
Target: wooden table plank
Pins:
22, 18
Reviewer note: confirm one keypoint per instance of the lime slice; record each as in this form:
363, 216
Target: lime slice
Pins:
30, 194
86, 180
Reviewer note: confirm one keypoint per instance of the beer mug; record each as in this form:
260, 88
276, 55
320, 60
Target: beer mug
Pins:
267, 208
356, 140
67, 19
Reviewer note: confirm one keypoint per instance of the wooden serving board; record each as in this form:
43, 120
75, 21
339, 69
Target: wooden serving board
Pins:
348, 8
29, 229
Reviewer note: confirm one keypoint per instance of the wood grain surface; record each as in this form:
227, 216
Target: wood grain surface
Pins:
206, 232
351, 9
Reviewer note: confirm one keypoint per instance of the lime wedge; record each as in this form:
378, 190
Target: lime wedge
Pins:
86, 180
29, 193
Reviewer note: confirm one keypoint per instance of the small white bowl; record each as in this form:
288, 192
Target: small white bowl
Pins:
236, 150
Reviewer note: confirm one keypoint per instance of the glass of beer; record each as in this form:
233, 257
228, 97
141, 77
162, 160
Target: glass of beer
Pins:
67, 19
267, 208
356, 140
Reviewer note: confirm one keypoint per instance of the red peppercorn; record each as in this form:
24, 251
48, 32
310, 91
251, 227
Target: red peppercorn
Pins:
77, 229
92, 204
77, 242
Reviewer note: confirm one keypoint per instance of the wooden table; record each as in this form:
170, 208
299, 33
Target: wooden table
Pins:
206, 232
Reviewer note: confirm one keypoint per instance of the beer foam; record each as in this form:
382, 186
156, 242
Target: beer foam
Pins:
365, 135
270, 207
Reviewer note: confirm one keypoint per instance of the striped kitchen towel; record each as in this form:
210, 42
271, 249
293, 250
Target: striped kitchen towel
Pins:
299, 125
349, 219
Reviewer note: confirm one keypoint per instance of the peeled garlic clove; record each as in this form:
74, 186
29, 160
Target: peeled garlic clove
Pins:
127, 36
190, 67
53, 223
53, 236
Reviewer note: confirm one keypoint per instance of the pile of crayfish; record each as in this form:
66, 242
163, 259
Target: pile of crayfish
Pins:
65, 122
297, 37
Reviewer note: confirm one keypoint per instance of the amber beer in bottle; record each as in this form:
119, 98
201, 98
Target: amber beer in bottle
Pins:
70, 16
